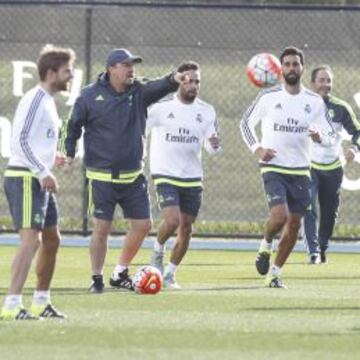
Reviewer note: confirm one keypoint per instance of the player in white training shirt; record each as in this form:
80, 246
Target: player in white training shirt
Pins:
180, 125
30, 186
291, 117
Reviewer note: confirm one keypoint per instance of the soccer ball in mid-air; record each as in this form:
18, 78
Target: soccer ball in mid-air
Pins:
264, 70
147, 280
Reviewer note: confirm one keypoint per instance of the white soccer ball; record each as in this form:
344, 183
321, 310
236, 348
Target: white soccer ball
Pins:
264, 70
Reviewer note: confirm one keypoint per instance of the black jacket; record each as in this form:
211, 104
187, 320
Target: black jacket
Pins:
114, 123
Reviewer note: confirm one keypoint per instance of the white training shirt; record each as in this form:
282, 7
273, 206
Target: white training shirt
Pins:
285, 123
345, 123
178, 133
35, 132
323, 154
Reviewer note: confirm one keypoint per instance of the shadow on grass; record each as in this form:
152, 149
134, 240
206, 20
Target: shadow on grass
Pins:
296, 263
204, 264
220, 288
302, 308
70, 291
307, 278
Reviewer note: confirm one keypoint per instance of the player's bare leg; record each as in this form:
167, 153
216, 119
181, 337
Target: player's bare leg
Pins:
98, 250
286, 245
139, 228
133, 240
45, 266
183, 238
171, 220
46, 258
13, 307
98, 245
179, 250
288, 239
277, 220
30, 240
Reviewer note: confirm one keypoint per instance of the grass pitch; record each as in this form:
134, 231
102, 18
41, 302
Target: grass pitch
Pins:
223, 312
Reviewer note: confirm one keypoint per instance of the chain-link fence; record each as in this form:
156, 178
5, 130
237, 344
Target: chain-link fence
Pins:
222, 39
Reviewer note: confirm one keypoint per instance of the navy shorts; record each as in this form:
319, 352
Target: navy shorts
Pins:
187, 198
292, 190
133, 199
30, 207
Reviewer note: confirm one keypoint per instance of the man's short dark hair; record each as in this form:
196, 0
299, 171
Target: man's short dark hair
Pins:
292, 50
52, 58
319, 68
189, 65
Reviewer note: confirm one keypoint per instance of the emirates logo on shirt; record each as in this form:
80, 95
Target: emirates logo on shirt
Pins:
183, 136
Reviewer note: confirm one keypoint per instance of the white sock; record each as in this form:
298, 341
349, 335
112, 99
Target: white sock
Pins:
171, 268
118, 269
12, 301
159, 247
275, 270
41, 297
266, 245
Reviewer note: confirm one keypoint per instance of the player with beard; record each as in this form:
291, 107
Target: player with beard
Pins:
30, 186
180, 125
291, 117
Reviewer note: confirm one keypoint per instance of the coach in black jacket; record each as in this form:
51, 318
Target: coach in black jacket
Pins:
112, 111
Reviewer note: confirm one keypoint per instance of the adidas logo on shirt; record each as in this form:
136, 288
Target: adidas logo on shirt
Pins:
171, 116
99, 98
331, 113
278, 106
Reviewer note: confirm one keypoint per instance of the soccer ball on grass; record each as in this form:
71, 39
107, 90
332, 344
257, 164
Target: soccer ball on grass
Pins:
147, 280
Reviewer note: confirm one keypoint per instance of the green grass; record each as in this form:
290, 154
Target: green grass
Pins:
222, 312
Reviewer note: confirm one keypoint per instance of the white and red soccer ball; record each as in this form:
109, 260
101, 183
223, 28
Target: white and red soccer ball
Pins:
264, 70
147, 280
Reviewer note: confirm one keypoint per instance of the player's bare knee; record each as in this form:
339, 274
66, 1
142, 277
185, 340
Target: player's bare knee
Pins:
186, 231
36, 244
279, 215
30, 239
278, 220
172, 222
99, 236
51, 243
294, 224
144, 226
147, 226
